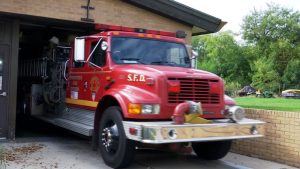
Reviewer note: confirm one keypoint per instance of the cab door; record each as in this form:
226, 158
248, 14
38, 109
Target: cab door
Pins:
98, 70
85, 86
76, 87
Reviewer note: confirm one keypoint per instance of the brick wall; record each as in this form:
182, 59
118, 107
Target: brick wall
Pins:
106, 11
281, 142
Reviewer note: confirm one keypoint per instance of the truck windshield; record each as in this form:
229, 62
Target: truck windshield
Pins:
127, 50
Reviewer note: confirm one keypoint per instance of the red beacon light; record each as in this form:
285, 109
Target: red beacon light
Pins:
103, 27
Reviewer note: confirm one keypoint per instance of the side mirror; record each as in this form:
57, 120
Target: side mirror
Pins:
104, 45
79, 50
194, 59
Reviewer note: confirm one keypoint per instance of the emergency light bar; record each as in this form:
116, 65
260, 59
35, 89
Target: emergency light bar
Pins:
103, 27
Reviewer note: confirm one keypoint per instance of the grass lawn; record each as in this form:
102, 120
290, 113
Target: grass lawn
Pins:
269, 103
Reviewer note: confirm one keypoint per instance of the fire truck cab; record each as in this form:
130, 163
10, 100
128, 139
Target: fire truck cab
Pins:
131, 87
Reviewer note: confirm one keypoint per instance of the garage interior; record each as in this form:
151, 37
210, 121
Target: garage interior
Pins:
39, 44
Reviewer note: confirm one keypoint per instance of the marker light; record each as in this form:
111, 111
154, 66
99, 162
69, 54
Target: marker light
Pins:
181, 34
103, 27
133, 131
150, 81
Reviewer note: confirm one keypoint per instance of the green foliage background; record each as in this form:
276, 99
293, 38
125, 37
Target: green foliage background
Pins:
268, 58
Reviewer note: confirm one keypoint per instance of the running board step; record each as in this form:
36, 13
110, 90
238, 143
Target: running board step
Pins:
68, 124
82, 116
75, 126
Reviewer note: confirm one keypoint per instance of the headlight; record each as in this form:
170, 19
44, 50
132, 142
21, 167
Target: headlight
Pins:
150, 108
136, 108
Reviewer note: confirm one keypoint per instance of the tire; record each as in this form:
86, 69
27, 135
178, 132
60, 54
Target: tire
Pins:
116, 150
211, 150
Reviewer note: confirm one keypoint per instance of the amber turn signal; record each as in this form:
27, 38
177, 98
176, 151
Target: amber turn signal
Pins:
134, 108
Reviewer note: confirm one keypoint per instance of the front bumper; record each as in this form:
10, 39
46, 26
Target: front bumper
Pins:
166, 132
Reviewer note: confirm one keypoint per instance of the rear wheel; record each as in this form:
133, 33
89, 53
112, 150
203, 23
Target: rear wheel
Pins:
211, 150
116, 150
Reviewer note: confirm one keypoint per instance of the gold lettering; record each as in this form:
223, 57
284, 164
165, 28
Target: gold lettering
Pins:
135, 77
129, 78
142, 78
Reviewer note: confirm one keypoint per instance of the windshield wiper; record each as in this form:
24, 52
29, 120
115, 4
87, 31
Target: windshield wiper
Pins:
164, 63
133, 59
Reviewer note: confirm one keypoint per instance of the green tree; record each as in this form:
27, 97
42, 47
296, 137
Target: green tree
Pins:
281, 52
274, 35
222, 55
291, 75
231, 88
263, 27
264, 76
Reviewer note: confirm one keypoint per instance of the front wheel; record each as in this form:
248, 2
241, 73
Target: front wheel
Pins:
116, 150
211, 150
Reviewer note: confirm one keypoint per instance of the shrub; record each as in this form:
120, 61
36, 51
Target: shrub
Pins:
231, 88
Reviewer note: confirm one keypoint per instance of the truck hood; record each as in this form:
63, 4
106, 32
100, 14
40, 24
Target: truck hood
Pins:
147, 84
154, 70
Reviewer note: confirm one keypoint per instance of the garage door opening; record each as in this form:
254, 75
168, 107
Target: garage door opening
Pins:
43, 53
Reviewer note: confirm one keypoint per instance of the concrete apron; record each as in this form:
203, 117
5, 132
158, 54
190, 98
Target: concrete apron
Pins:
75, 153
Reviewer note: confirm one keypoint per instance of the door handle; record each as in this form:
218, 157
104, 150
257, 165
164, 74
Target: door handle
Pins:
3, 94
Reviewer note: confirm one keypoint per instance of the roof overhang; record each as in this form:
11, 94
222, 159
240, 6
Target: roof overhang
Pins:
201, 23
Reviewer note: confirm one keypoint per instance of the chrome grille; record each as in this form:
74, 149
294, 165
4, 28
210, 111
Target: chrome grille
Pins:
196, 90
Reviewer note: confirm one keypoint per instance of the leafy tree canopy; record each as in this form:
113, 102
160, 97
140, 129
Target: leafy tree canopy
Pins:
222, 55
275, 35
263, 27
269, 59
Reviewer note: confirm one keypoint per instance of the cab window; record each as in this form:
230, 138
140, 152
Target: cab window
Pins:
98, 57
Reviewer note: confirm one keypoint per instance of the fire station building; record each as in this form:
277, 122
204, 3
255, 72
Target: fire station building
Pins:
26, 26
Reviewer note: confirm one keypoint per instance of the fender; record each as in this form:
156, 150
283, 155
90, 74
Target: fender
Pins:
229, 101
126, 94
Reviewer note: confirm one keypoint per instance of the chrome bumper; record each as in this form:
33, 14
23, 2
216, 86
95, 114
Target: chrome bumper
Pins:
166, 132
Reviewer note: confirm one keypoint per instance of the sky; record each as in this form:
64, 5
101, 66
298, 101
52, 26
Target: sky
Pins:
233, 11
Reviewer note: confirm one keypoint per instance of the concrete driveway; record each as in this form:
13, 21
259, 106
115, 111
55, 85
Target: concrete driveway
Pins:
76, 153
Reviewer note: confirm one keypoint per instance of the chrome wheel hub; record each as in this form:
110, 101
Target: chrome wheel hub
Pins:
110, 137
106, 137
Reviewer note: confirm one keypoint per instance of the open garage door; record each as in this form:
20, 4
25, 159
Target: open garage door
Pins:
44, 48
25, 39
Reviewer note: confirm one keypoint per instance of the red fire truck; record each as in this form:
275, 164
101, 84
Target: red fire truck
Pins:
130, 87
